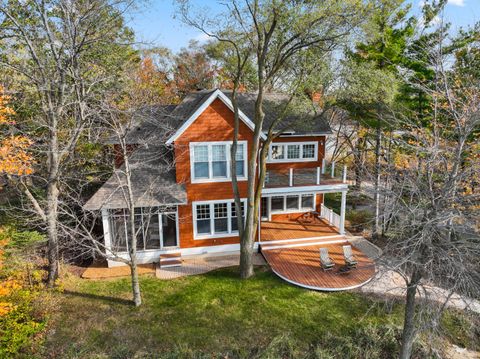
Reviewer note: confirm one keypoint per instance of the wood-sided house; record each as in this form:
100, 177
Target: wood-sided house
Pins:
182, 184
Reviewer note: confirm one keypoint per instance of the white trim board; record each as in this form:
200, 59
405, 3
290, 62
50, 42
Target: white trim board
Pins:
154, 256
215, 94
316, 188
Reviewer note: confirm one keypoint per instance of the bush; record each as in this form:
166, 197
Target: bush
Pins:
359, 219
20, 286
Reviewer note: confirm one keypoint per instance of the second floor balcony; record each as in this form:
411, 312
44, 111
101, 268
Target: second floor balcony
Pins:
294, 177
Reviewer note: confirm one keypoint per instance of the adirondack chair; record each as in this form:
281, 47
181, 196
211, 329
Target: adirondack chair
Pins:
325, 260
350, 259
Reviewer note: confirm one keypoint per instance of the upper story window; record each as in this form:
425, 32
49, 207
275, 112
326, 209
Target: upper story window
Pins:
293, 152
210, 161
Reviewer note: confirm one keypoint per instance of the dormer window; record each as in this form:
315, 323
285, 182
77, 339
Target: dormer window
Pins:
210, 161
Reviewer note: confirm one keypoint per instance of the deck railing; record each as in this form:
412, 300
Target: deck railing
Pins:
327, 174
329, 215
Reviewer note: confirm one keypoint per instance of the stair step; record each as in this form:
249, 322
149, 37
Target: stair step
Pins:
310, 242
170, 260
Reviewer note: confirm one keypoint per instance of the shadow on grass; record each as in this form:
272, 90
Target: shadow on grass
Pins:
99, 297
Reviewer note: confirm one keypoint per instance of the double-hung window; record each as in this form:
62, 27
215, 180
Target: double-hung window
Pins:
293, 152
215, 219
211, 161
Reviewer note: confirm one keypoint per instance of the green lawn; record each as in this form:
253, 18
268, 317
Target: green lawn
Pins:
212, 314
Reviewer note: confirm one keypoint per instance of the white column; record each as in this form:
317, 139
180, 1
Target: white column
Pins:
333, 169
106, 232
345, 174
342, 212
291, 177
318, 175
324, 164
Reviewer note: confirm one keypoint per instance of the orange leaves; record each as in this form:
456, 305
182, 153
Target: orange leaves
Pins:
6, 112
14, 156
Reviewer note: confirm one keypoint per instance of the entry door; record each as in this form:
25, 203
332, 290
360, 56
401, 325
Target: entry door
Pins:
264, 210
169, 230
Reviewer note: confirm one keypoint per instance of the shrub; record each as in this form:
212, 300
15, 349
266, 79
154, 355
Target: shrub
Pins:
359, 219
20, 287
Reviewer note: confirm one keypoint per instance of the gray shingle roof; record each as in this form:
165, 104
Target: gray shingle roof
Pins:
155, 124
153, 182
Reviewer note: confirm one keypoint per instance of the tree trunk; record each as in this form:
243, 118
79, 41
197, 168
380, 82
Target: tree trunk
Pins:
409, 330
52, 233
137, 298
378, 144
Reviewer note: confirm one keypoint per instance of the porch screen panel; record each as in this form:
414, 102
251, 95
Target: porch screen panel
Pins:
139, 228
118, 230
200, 161
221, 217
203, 219
169, 228
219, 161
152, 230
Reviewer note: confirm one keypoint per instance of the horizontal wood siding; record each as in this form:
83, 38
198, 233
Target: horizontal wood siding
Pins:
216, 123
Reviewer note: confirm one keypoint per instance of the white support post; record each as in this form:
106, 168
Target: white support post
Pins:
106, 232
290, 177
318, 175
342, 212
333, 169
324, 165
345, 174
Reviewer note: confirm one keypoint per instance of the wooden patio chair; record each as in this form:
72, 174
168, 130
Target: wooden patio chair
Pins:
325, 260
350, 259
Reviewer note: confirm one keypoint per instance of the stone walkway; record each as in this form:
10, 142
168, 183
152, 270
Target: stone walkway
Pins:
203, 264
388, 282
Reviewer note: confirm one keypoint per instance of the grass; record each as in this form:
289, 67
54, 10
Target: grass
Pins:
206, 314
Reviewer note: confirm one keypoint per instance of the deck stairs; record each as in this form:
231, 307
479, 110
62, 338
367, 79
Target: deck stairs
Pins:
302, 242
171, 260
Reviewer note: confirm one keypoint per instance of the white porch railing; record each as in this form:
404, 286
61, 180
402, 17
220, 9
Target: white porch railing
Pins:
330, 216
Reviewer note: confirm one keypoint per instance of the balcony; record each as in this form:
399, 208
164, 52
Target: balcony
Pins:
291, 177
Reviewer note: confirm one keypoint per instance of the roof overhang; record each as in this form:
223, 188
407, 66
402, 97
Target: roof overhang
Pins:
216, 94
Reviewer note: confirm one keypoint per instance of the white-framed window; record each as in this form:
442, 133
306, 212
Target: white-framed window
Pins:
292, 203
210, 161
214, 219
293, 152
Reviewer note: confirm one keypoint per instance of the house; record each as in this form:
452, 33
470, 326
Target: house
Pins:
182, 184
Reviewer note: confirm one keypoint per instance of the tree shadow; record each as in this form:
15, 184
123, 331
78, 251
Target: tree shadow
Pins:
99, 297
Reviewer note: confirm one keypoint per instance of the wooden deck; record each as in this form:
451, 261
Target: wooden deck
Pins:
289, 229
300, 265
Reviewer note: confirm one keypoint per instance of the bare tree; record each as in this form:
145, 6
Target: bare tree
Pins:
274, 35
63, 64
433, 238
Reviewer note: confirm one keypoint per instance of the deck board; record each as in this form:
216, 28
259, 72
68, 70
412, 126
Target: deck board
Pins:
301, 266
284, 229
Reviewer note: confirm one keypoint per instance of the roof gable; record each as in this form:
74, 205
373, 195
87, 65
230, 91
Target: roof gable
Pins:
207, 102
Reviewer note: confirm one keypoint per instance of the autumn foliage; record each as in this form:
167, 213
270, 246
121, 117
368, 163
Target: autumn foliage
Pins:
14, 156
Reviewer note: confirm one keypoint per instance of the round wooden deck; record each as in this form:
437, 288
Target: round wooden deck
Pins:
301, 266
